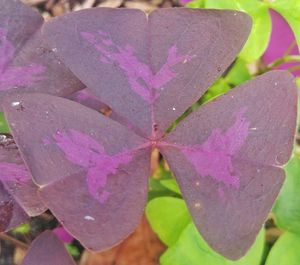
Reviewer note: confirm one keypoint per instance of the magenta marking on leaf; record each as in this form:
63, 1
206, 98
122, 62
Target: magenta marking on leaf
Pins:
214, 157
13, 172
16, 76
83, 150
46, 141
63, 235
141, 78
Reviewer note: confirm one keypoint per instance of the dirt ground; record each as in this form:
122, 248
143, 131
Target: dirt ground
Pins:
50, 8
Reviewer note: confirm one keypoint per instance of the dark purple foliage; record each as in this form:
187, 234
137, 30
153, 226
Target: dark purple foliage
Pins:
47, 249
148, 80
16, 178
11, 214
26, 62
92, 170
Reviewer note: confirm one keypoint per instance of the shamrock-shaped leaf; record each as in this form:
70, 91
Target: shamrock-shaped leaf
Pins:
26, 63
47, 249
135, 66
88, 157
226, 155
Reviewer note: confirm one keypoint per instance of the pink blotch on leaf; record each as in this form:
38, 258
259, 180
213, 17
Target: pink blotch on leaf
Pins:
213, 158
140, 77
13, 172
10, 76
63, 235
83, 150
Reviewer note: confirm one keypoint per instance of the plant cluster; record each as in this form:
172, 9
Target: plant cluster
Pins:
89, 166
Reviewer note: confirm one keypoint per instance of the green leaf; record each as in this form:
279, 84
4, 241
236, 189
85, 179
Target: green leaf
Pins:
196, 4
168, 217
238, 74
157, 189
287, 207
3, 125
290, 10
218, 88
285, 251
191, 249
160, 184
21, 229
73, 250
298, 82
170, 184
261, 31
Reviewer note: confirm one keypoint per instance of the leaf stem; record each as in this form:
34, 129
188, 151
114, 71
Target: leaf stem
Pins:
290, 48
282, 60
11, 239
294, 68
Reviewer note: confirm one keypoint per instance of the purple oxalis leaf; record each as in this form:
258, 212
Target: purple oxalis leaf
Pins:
16, 178
85, 98
47, 249
94, 158
226, 161
142, 74
26, 62
11, 214
16, 76
226, 156
214, 157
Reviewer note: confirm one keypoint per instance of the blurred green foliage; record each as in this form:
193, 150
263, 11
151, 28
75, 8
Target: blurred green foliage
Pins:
3, 125
170, 219
21, 229
259, 12
285, 251
287, 207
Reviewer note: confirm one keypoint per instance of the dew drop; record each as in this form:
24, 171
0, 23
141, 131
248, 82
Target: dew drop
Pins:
54, 49
15, 104
89, 218
173, 108
197, 205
